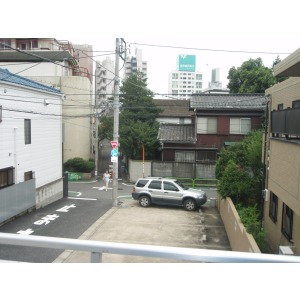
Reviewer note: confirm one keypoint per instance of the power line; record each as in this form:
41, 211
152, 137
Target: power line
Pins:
207, 49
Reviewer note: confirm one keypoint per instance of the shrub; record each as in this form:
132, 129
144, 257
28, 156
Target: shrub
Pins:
78, 164
250, 218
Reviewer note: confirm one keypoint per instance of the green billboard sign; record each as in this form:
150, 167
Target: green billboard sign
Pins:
187, 63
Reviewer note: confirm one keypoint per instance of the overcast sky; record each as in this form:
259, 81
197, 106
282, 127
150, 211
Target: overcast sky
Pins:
220, 33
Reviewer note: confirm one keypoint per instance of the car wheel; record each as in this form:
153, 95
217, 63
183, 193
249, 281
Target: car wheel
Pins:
144, 201
189, 204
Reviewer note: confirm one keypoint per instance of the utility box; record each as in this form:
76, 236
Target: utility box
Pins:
285, 250
213, 202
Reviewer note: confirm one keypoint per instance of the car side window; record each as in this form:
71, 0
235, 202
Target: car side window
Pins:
155, 184
142, 183
168, 186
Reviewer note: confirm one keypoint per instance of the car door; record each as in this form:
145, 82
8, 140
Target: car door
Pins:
172, 194
156, 192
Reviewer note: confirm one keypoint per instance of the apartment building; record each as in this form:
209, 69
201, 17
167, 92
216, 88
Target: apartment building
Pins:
282, 160
104, 81
61, 65
185, 80
134, 64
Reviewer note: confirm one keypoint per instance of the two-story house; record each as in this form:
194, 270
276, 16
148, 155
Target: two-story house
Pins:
282, 160
31, 172
218, 120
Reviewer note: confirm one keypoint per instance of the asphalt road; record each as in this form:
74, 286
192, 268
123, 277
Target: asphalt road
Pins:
68, 218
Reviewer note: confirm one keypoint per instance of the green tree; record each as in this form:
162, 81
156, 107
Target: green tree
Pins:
239, 170
251, 77
138, 125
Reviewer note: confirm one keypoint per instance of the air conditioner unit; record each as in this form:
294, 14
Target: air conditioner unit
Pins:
285, 250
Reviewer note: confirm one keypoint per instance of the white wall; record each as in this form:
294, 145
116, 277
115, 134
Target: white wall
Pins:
44, 155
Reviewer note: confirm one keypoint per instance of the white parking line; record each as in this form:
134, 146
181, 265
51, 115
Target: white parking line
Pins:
75, 198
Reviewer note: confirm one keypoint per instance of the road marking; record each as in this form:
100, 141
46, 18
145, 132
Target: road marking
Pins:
101, 188
75, 198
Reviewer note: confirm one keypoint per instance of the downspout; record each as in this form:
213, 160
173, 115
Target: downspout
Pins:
264, 159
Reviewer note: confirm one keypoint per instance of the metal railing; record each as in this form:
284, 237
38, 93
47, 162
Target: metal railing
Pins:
97, 248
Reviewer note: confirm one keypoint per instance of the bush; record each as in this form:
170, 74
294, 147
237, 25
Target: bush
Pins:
250, 218
78, 164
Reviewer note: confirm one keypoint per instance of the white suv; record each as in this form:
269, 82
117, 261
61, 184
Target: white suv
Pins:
165, 191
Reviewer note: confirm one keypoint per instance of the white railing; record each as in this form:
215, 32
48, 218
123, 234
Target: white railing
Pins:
96, 248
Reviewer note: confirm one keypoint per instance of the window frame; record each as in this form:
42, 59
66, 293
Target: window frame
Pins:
273, 207
206, 122
184, 156
7, 177
27, 131
235, 126
287, 222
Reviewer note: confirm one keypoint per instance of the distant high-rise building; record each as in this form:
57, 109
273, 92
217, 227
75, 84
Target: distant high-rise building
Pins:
134, 64
105, 72
185, 81
215, 79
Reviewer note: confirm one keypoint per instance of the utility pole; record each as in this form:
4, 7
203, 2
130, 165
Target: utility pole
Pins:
116, 107
116, 123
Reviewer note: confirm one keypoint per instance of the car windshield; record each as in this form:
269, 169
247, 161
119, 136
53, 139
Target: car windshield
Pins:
181, 185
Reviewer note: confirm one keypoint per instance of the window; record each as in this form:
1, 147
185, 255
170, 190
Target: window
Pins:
168, 186
174, 76
155, 184
240, 125
287, 222
199, 85
206, 155
296, 104
142, 183
0, 113
7, 177
207, 125
28, 175
198, 76
273, 209
27, 131
7, 44
184, 156
280, 106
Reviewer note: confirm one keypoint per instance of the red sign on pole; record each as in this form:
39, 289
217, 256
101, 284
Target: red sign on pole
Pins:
114, 144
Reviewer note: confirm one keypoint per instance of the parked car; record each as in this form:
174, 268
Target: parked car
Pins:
166, 191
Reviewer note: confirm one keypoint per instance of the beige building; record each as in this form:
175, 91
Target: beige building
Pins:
282, 158
66, 67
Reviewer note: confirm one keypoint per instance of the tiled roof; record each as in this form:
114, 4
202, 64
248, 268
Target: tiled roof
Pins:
7, 76
228, 101
174, 108
177, 133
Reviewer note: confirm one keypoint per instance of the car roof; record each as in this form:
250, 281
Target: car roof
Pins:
162, 178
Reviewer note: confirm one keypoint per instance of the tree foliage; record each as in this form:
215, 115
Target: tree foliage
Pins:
138, 125
239, 170
137, 122
251, 77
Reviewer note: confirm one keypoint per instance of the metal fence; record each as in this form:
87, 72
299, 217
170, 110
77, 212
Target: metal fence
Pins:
97, 248
16, 199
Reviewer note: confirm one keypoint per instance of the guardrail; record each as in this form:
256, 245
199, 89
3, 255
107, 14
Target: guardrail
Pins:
197, 182
97, 248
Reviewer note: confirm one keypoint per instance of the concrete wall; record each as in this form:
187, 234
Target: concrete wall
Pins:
138, 169
49, 193
238, 237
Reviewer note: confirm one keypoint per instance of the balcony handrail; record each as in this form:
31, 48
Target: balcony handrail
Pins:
97, 248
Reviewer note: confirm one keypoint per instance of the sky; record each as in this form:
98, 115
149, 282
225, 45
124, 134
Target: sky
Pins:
225, 34
222, 34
